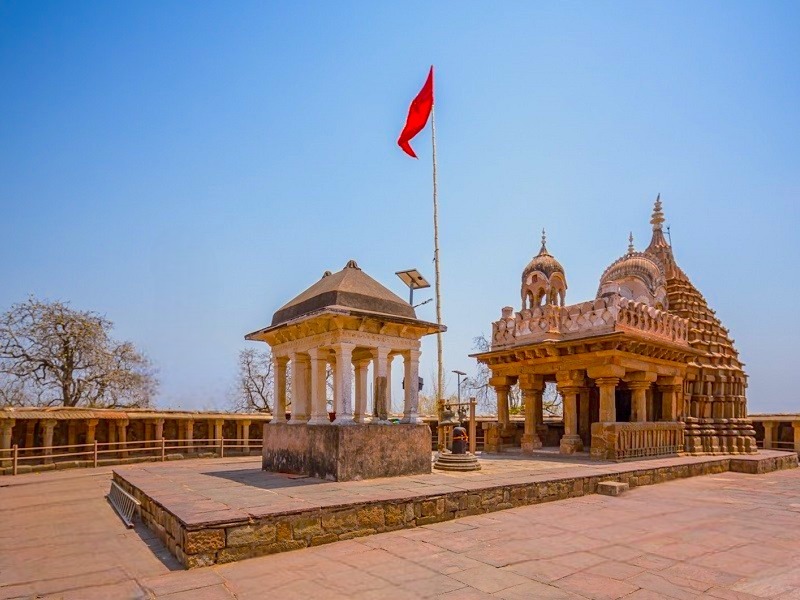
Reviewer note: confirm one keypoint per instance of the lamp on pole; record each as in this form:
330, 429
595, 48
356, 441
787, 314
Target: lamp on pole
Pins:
460, 375
414, 280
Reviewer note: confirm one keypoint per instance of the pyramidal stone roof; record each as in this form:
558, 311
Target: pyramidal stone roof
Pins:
349, 288
706, 332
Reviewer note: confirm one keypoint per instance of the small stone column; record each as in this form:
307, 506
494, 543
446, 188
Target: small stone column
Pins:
218, 423
769, 434
670, 387
532, 388
189, 437
246, 435
72, 434
608, 400
389, 361
360, 409
380, 358
343, 383
639, 383
411, 384
570, 384
6, 428
584, 417
30, 431
122, 436
91, 430
159, 430
319, 410
279, 381
301, 390
501, 387
47, 442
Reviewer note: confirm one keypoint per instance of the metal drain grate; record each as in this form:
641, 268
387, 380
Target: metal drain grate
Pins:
125, 504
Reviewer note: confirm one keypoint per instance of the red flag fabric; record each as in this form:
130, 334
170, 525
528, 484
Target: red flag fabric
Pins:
418, 114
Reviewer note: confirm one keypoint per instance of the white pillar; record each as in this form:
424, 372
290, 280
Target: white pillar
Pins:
319, 409
279, 381
380, 368
411, 383
360, 411
343, 383
389, 361
300, 389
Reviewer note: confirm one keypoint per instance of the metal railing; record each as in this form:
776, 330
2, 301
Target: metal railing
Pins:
99, 453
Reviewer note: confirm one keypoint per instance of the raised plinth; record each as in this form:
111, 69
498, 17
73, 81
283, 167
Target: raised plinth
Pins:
457, 462
347, 452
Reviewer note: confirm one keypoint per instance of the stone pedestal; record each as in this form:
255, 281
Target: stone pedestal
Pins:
347, 452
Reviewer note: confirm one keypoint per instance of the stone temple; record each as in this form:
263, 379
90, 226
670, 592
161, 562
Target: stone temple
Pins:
347, 321
644, 369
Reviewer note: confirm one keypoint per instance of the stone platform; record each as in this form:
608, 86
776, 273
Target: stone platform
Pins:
223, 512
347, 452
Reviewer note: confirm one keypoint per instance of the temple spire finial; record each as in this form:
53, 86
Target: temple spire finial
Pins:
658, 215
631, 249
544, 243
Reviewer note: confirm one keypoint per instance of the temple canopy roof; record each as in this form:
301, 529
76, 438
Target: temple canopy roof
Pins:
349, 288
544, 262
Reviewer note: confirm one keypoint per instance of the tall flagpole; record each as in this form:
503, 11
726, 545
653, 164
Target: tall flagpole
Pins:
440, 378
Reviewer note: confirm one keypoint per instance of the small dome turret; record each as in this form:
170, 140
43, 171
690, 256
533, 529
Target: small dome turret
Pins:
543, 280
636, 276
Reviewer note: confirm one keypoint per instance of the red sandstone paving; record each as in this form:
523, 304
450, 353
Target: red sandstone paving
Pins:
722, 536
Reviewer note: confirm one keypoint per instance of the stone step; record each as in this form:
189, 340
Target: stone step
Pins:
612, 488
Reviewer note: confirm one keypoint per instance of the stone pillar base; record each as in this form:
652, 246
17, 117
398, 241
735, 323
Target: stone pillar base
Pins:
531, 442
571, 444
349, 452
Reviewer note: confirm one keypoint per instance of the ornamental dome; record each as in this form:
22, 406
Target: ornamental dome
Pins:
543, 280
636, 276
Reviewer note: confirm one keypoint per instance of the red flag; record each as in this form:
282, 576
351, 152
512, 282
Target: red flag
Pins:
418, 114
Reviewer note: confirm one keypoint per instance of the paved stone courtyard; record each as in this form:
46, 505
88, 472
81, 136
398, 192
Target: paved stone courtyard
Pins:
730, 535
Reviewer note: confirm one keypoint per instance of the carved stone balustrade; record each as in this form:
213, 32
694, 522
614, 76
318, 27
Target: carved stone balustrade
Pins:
623, 441
601, 316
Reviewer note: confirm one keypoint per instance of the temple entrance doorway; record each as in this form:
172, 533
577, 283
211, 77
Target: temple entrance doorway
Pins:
623, 405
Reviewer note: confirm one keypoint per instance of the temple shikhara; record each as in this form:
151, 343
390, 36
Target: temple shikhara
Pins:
644, 369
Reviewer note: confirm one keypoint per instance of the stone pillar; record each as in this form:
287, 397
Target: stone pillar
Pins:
47, 442
769, 434
411, 385
532, 387
218, 423
796, 428
639, 383
91, 430
360, 410
159, 430
301, 391
380, 367
389, 361
6, 427
501, 387
112, 433
246, 434
319, 409
122, 436
343, 383
669, 387
72, 434
608, 400
279, 381
189, 428
30, 431
570, 384
584, 417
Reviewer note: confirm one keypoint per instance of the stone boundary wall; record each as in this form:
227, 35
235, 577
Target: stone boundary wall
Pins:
224, 542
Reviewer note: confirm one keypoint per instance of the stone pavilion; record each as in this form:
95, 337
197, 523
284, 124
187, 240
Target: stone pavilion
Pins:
644, 369
350, 322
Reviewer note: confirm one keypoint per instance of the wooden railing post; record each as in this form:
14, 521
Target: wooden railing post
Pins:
473, 427
163, 450
14, 458
94, 455
222, 447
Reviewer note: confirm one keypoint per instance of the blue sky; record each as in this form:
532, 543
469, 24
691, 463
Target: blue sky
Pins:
186, 168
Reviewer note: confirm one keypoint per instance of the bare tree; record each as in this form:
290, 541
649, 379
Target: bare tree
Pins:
254, 382
51, 355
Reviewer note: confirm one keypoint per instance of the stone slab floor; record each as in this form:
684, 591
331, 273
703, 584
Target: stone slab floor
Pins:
722, 536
